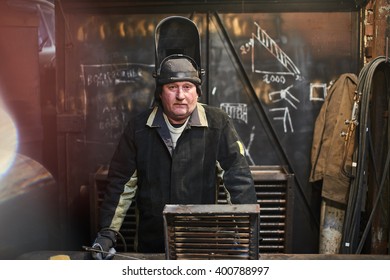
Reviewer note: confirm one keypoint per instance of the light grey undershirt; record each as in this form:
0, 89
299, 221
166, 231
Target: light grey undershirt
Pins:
175, 131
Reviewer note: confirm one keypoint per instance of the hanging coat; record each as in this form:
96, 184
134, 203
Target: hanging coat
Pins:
331, 154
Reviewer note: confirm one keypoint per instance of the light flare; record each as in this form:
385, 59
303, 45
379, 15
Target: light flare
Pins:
8, 141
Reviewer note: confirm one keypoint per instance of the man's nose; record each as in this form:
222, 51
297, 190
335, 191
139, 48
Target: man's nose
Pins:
180, 94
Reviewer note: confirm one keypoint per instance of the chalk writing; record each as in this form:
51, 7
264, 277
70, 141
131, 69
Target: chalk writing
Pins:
104, 78
269, 78
237, 111
246, 48
112, 93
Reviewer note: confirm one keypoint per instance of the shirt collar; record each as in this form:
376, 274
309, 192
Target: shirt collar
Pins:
197, 118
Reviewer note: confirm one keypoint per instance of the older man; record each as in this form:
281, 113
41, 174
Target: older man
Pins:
172, 154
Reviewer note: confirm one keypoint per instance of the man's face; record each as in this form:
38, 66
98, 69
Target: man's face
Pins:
179, 100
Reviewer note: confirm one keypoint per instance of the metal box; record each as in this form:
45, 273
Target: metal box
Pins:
212, 231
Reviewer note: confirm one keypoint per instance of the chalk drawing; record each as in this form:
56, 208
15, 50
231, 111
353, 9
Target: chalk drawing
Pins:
318, 91
214, 90
285, 118
248, 147
272, 47
284, 94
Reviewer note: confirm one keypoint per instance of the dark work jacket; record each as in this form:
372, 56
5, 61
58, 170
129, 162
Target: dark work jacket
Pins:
146, 168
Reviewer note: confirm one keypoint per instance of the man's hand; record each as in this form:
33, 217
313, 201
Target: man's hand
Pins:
104, 242
103, 255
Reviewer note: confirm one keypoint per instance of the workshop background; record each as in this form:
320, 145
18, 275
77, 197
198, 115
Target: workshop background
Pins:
73, 72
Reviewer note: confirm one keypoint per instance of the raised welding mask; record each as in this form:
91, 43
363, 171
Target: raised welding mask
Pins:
177, 53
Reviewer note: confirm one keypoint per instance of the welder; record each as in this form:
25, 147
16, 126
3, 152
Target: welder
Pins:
174, 152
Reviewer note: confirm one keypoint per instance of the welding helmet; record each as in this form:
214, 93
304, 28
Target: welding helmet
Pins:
177, 53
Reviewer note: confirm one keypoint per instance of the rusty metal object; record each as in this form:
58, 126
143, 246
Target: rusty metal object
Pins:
274, 188
212, 231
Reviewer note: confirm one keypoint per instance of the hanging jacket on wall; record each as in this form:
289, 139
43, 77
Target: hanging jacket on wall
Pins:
331, 154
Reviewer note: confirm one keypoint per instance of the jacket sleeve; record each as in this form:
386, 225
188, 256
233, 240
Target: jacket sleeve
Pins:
122, 183
237, 177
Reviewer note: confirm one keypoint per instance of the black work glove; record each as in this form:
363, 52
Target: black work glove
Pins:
105, 242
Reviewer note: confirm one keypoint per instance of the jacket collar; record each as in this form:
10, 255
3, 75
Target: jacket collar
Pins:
197, 118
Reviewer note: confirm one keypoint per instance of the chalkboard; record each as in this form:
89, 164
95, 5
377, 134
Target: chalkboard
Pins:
114, 93
281, 62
